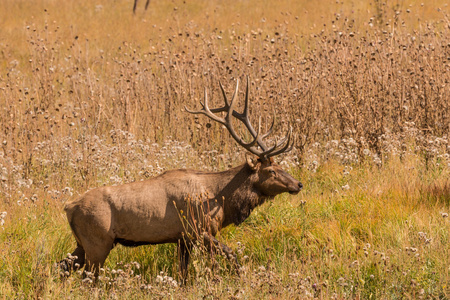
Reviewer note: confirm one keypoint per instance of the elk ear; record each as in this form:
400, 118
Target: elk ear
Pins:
252, 161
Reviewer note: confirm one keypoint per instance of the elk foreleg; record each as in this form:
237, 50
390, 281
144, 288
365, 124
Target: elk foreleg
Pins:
184, 251
214, 245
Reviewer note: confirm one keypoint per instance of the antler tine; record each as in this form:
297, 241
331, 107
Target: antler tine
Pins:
228, 119
287, 147
232, 103
269, 131
194, 112
250, 146
224, 94
226, 106
244, 118
206, 111
284, 139
245, 113
292, 145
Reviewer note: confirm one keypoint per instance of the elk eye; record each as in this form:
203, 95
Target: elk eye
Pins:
272, 172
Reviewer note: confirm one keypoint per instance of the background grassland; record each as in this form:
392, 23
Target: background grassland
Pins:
92, 95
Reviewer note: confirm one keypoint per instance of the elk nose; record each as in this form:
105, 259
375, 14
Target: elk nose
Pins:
300, 185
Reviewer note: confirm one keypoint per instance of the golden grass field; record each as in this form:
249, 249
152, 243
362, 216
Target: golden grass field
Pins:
93, 95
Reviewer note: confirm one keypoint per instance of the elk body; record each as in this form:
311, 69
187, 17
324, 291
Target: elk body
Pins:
179, 206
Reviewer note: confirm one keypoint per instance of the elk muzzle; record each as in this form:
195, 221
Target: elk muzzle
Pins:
296, 188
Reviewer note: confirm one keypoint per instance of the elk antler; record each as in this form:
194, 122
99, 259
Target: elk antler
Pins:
257, 141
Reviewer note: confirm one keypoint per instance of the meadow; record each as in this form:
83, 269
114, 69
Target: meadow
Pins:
92, 95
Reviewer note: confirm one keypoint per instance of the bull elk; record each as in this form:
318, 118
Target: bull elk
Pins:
180, 206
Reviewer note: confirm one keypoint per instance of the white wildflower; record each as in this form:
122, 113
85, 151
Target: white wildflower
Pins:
2, 218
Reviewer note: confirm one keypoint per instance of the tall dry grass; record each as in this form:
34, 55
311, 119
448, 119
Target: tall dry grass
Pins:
92, 95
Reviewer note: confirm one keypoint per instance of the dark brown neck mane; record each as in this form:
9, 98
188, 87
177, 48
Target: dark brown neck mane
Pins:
238, 194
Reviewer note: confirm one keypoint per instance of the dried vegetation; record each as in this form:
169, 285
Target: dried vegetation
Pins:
86, 101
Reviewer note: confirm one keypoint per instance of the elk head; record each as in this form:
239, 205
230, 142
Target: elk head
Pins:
272, 179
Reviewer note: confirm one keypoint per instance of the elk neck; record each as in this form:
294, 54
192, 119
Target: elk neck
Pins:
235, 190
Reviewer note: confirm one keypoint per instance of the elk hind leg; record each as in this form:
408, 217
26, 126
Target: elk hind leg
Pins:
74, 261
